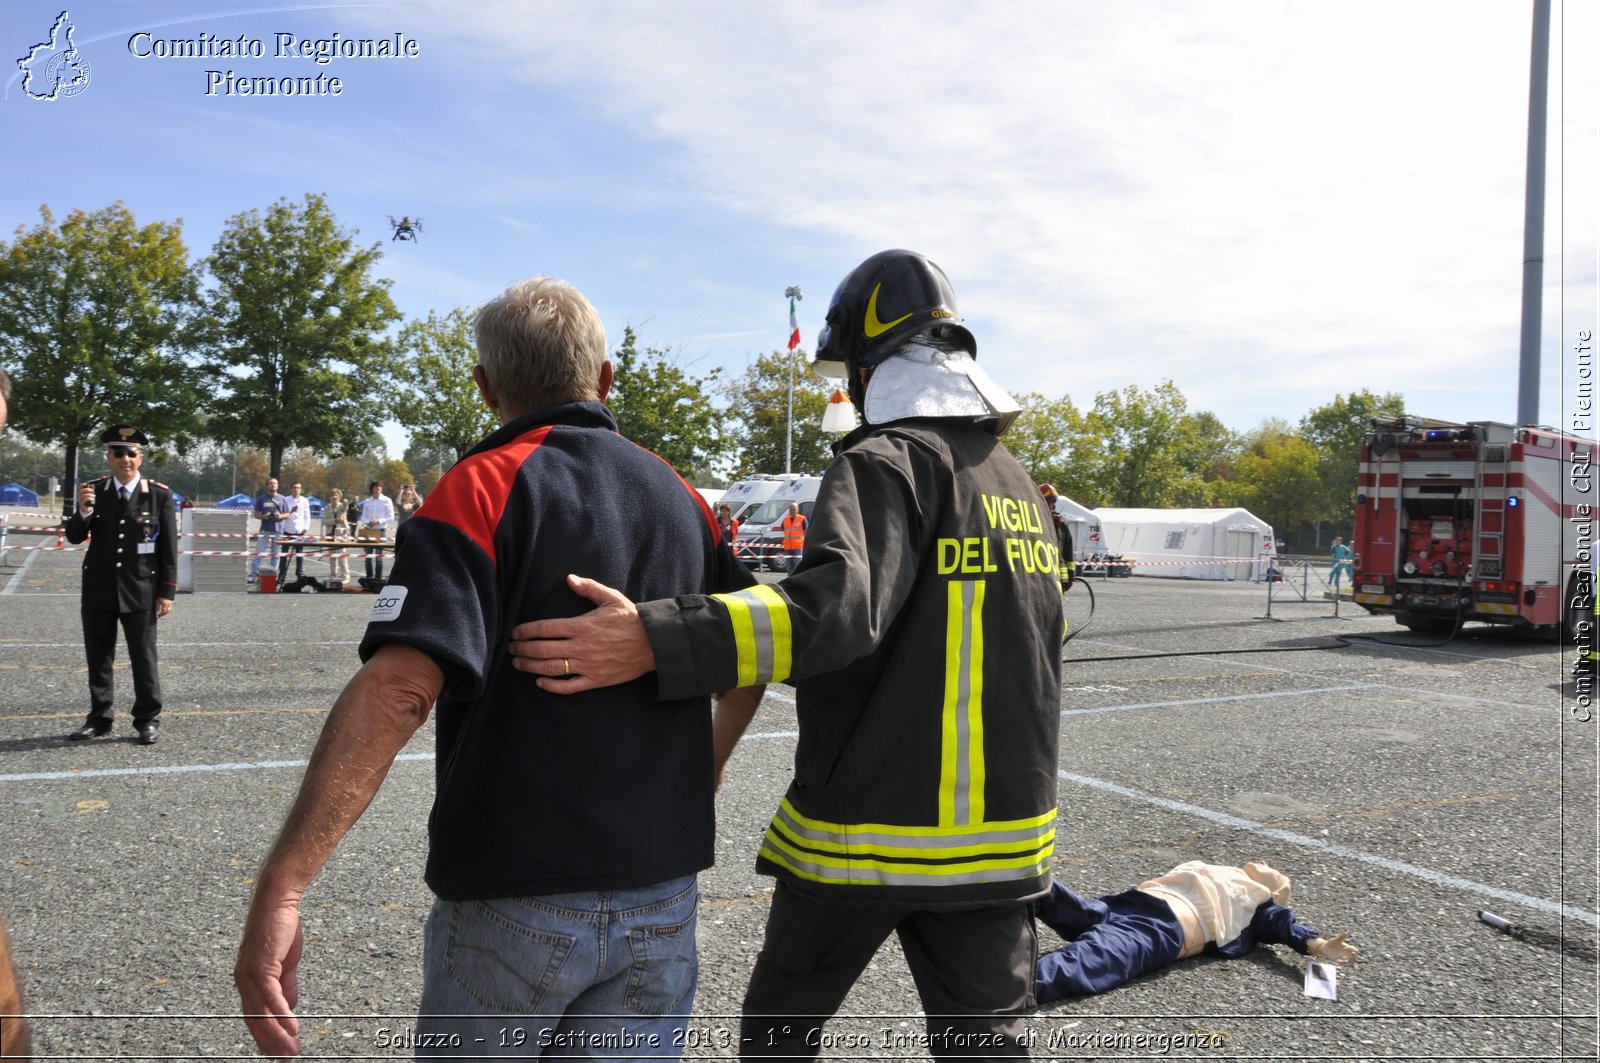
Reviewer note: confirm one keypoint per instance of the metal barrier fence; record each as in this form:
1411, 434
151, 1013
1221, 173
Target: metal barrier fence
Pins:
1299, 579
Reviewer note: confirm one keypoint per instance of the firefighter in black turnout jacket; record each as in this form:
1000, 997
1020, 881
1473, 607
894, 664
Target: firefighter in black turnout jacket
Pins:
130, 576
921, 631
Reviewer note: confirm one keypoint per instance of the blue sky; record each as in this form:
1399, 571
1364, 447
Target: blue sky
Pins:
1266, 202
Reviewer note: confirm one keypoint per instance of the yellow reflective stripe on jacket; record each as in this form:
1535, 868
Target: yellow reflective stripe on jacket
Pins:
888, 854
761, 635
961, 767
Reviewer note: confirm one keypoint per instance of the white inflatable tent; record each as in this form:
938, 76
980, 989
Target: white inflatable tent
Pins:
1221, 544
1087, 538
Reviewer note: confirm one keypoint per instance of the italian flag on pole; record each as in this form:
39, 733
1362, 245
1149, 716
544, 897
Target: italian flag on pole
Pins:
794, 327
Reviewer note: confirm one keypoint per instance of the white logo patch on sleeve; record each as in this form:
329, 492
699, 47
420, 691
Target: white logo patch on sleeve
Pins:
387, 607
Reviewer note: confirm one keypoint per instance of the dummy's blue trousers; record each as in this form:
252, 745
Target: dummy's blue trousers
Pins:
1110, 941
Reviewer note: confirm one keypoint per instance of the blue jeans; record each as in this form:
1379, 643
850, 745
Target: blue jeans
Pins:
607, 975
266, 548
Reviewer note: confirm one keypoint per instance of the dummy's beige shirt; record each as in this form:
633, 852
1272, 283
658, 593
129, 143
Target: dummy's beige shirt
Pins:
1222, 899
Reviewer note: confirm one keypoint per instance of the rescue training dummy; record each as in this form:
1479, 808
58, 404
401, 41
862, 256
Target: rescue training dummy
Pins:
1194, 908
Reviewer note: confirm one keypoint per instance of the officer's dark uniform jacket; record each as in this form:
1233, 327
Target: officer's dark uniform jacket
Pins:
117, 575
922, 633
542, 793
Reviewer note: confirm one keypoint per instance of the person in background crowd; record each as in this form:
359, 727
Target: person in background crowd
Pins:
269, 510
725, 521
407, 504
130, 577
1063, 534
296, 523
335, 525
1341, 562
794, 524
377, 510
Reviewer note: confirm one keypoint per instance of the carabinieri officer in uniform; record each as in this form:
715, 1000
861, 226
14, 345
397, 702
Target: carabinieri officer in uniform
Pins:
130, 575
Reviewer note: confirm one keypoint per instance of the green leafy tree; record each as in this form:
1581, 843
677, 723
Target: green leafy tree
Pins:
1142, 448
253, 469
434, 394
294, 329
28, 463
665, 409
1041, 439
1211, 448
1277, 478
1337, 431
303, 466
395, 474
758, 402
428, 463
349, 476
92, 317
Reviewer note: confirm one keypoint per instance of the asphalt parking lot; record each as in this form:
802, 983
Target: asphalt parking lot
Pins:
1402, 787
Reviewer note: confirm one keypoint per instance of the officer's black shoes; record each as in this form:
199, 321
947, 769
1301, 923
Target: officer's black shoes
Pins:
89, 730
149, 732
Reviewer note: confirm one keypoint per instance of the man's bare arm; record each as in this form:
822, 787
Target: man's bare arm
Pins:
731, 713
380, 709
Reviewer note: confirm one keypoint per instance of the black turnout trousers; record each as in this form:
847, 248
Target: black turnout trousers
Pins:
973, 968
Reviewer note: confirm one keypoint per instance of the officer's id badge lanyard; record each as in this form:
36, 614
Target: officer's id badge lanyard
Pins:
148, 525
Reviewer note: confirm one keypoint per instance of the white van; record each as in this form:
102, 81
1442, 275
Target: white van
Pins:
760, 531
746, 496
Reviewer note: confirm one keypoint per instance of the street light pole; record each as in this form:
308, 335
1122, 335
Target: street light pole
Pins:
1533, 219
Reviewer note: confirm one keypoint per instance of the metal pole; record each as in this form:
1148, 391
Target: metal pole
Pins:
791, 293
1533, 219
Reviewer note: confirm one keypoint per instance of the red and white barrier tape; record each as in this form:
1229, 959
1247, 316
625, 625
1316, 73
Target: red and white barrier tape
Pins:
386, 545
55, 529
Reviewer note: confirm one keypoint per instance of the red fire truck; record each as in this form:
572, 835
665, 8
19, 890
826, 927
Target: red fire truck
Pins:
1479, 521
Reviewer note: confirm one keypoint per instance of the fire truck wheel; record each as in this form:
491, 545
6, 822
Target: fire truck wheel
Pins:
1425, 625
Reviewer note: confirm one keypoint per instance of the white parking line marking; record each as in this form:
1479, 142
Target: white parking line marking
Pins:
177, 769
1306, 842
1233, 660
1218, 699
16, 580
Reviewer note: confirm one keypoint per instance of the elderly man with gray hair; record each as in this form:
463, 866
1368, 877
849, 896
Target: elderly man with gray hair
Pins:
566, 834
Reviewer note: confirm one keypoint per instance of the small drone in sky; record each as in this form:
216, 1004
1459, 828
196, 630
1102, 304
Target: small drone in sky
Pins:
405, 229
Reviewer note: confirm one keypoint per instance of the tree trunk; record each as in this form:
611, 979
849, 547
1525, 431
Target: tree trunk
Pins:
69, 497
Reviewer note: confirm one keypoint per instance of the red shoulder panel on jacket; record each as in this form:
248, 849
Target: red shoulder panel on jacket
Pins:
472, 495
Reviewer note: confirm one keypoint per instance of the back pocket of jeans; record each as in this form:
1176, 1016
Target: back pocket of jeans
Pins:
506, 967
662, 979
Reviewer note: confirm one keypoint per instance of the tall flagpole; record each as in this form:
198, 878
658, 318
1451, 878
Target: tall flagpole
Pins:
792, 293
1533, 219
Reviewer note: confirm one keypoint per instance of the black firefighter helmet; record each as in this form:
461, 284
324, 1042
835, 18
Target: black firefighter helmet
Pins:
885, 301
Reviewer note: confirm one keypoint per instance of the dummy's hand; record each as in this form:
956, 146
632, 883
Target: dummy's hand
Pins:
1337, 950
265, 974
599, 649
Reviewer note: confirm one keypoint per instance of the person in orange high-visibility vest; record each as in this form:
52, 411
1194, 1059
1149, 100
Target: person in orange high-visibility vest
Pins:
794, 535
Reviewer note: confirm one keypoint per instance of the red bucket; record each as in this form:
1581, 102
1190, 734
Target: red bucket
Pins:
269, 584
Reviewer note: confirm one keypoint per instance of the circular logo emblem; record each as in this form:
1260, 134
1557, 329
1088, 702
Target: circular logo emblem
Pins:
68, 72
